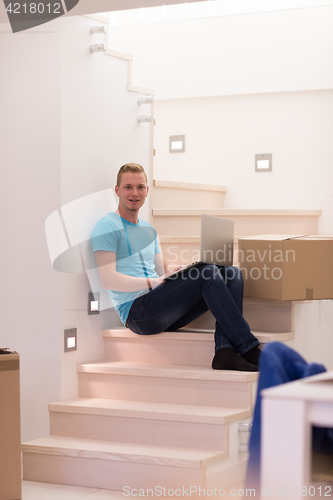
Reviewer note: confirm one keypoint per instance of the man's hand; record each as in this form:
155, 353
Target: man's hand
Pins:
172, 269
154, 282
158, 281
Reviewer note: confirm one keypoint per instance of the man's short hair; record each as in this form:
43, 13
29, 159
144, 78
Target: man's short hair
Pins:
130, 167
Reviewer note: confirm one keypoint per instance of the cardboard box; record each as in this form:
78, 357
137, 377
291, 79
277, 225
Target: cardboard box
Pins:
10, 428
283, 267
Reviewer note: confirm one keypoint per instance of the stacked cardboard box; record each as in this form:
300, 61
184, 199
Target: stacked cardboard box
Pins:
10, 427
285, 267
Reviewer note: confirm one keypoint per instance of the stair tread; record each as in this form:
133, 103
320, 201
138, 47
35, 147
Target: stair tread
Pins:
190, 185
187, 239
176, 335
154, 411
263, 337
240, 212
166, 371
197, 334
106, 450
180, 239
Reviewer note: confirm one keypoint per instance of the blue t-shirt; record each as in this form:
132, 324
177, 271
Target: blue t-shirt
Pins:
135, 246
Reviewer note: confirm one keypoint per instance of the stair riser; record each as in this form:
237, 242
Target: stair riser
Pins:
141, 431
229, 477
176, 352
180, 253
261, 316
175, 253
166, 198
244, 226
166, 390
269, 316
107, 474
171, 352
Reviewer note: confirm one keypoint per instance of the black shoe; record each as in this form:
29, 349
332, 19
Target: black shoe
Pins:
253, 355
228, 359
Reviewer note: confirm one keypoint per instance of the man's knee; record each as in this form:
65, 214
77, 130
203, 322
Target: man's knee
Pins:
233, 273
209, 271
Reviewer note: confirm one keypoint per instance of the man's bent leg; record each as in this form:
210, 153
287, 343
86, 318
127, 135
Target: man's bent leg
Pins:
161, 307
192, 314
234, 281
233, 278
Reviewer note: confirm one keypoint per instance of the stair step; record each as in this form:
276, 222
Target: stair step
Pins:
183, 250
190, 185
184, 194
144, 423
105, 450
264, 338
186, 222
102, 464
156, 411
180, 250
167, 348
272, 316
179, 371
189, 385
188, 345
267, 316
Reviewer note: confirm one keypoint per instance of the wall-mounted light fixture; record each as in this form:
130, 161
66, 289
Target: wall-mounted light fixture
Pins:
145, 118
93, 303
149, 99
70, 340
263, 163
177, 143
98, 29
98, 47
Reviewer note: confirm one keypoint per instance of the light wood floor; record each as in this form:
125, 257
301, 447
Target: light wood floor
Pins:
45, 491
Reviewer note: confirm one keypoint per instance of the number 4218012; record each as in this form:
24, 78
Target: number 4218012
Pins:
34, 8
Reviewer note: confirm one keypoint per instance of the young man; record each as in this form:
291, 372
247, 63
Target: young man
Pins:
131, 268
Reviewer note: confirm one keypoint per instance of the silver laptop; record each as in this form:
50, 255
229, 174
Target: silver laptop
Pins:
216, 244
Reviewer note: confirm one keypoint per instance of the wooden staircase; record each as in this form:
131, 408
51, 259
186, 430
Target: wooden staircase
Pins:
176, 217
177, 213
141, 425
153, 412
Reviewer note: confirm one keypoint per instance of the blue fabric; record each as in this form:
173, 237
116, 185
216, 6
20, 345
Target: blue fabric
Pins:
135, 246
177, 302
278, 364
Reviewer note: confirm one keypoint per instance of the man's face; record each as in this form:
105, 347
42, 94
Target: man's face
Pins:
132, 191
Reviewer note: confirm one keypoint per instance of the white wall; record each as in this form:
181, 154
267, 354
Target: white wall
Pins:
241, 85
99, 133
67, 124
91, 129
241, 54
223, 134
29, 191
313, 332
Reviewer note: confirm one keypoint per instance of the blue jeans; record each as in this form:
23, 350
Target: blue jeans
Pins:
177, 302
